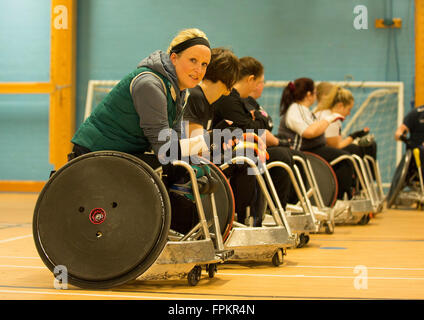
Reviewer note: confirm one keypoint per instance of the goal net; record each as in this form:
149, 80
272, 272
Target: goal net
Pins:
378, 105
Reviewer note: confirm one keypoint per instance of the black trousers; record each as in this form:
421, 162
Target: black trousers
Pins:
344, 169
280, 177
247, 192
362, 151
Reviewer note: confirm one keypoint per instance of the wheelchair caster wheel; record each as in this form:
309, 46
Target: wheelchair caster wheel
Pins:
211, 269
329, 228
303, 240
278, 258
193, 277
364, 220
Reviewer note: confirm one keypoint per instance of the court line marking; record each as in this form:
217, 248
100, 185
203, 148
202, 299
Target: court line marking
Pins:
16, 238
15, 257
4, 226
312, 267
262, 275
214, 295
305, 276
369, 268
93, 295
369, 240
24, 267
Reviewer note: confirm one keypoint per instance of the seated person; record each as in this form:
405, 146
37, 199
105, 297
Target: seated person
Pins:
220, 76
148, 102
341, 101
298, 123
258, 113
413, 123
233, 109
262, 117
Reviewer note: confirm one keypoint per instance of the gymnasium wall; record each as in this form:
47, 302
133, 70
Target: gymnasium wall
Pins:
292, 38
24, 119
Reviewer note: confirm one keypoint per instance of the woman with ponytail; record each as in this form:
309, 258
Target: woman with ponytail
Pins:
307, 133
340, 100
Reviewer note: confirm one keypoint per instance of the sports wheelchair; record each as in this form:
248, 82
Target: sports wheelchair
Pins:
407, 188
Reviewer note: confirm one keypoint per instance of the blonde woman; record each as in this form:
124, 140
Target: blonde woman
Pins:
148, 102
340, 101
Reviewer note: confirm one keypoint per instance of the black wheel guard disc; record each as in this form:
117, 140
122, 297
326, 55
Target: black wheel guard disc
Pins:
104, 216
325, 177
184, 211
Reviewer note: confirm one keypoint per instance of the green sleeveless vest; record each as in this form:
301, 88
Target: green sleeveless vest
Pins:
115, 125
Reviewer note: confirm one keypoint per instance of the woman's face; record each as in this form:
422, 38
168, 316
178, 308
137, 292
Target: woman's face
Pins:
223, 88
345, 110
260, 83
191, 65
310, 97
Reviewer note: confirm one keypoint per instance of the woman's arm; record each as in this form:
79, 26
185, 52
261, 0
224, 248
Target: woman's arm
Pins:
150, 102
316, 129
338, 142
303, 124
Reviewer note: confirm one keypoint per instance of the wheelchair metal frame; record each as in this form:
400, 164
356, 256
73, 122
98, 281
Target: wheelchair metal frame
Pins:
184, 255
358, 209
414, 194
260, 243
300, 217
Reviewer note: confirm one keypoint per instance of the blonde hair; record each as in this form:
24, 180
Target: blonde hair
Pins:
184, 35
323, 88
337, 94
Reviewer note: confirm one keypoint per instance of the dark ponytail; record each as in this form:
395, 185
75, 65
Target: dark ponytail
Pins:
295, 92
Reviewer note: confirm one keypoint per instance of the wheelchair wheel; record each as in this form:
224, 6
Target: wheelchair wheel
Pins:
399, 178
105, 216
325, 177
184, 211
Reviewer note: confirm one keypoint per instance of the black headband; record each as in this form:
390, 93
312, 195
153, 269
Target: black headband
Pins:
189, 43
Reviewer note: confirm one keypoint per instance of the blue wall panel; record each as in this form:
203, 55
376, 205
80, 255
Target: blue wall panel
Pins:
24, 56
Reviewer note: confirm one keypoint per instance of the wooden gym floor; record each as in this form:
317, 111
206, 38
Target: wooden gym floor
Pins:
381, 260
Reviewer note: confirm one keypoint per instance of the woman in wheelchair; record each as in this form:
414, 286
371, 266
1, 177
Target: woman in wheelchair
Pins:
233, 109
307, 133
221, 75
141, 111
340, 101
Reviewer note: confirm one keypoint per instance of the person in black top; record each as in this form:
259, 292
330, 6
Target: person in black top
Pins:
234, 109
413, 123
259, 113
220, 76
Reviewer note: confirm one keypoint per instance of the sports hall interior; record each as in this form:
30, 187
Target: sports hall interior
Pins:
51, 49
